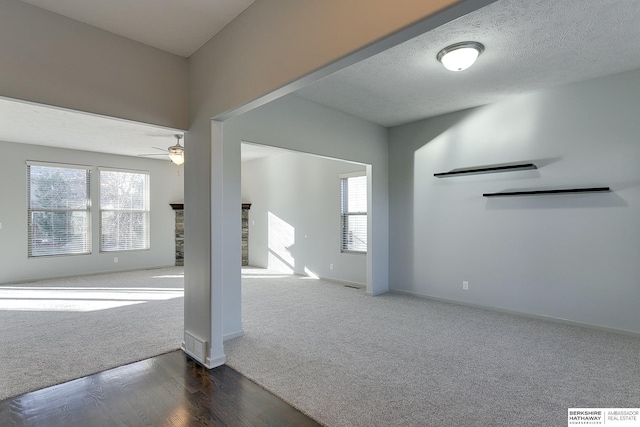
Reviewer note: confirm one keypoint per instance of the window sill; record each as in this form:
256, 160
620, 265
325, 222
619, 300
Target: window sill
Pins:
353, 252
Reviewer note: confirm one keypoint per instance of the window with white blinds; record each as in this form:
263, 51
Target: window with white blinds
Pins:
353, 195
124, 210
58, 209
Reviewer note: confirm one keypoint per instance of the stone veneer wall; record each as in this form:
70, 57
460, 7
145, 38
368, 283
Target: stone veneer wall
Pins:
245, 233
179, 208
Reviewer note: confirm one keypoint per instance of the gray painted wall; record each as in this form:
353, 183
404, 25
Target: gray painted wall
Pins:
166, 187
294, 220
239, 69
54, 60
569, 257
50, 59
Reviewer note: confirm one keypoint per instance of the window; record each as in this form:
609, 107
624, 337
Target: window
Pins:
124, 210
58, 209
353, 193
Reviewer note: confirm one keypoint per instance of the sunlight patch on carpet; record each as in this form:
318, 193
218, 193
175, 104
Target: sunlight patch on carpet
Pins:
80, 299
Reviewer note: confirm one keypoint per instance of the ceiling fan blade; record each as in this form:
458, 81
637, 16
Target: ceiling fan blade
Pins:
161, 149
148, 155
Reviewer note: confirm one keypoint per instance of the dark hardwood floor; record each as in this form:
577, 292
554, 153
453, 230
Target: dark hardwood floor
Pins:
168, 390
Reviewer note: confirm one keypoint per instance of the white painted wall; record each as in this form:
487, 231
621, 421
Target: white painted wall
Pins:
54, 60
294, 220
571, 257
15, 266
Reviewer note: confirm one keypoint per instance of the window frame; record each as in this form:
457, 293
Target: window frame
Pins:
88, 239
147, 210
344, 215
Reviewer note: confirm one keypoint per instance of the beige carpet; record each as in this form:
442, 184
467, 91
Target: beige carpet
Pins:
394, 360
56, 330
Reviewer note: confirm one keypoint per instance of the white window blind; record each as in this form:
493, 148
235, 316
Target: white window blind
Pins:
353, 194
58, 211
124, 210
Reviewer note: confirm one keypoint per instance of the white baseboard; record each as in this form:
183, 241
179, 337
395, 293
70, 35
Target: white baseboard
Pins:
331, 279
232, 335
345, 282
355, 285
89, 274
523, 314
216, 361
375, 294
210, 363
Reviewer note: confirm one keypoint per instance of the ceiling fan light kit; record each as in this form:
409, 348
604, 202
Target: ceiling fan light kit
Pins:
177, 158
176, 152
460, 56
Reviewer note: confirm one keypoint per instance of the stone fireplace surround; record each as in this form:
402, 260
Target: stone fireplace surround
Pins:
179, 232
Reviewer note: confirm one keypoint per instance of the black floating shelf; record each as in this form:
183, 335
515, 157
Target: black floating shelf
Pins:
543, 192
486, 169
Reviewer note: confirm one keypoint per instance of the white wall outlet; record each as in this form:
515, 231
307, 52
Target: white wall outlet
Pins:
465, 285
115, 259
253, 222
0, 226
330, 266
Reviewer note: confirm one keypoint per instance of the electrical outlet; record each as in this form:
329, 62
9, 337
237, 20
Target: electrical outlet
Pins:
0, 226
115, 259
330, 266
465, 285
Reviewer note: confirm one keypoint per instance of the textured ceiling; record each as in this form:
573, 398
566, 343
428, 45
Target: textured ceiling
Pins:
29, 123
529, 45
179, 27
42, 125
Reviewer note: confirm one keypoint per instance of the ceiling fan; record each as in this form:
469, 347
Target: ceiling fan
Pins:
175, 152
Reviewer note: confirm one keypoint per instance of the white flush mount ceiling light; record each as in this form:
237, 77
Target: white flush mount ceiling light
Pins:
460, 56
176, 152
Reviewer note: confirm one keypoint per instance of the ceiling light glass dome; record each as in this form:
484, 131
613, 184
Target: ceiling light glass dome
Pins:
460, 56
